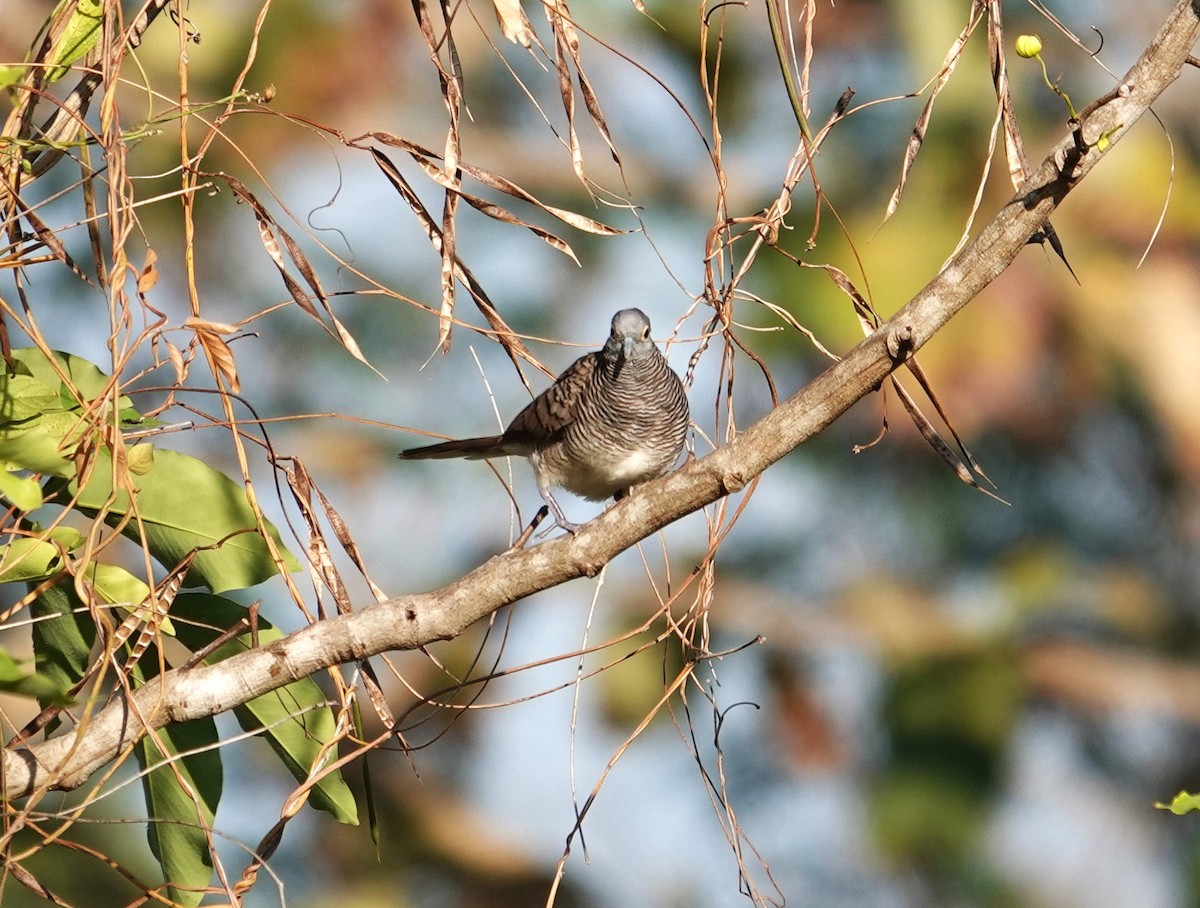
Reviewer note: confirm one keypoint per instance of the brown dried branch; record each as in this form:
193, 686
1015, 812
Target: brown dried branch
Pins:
917, 138
508, 339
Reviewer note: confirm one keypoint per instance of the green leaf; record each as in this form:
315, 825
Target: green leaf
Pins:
16, 680
63, 633
78, 38
22, 397
182, 803
181, 796
296, 720
41, 444
119, 587
185, 505
298, 724
23, 491
140, 458
115, 584
181, 799
41, 421
28, 559
1182, 803
67, 537
85, 376
11, 75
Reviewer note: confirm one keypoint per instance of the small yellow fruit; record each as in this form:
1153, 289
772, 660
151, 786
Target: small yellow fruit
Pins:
1028, 46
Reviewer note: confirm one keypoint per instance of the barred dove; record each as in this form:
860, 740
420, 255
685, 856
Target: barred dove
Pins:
615, 418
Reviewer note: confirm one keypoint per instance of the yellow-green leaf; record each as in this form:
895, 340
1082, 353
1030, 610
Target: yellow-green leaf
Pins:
28, 559
23, 491
84, 376
42, 444
119, 587
186, 507
11, 75
22, 396
141, 458
78, 38
15, 679
1182, 803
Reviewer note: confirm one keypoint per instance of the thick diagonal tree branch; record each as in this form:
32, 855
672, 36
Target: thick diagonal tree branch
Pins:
407, 622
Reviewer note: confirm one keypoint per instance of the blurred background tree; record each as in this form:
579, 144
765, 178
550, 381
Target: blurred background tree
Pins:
957, 702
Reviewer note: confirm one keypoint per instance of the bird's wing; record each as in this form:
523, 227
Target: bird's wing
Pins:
556, 407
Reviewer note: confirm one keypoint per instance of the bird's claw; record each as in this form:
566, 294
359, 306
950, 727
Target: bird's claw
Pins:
542, 514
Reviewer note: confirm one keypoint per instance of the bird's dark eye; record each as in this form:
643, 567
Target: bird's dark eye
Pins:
646, 333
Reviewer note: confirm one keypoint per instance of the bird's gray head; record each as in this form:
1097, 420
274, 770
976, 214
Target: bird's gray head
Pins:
630, 338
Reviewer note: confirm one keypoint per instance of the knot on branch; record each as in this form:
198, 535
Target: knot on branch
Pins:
591, 568
899, 342
1069, 161
732, 481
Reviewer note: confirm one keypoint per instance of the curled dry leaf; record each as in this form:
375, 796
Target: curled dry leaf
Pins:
869, 320
303, 491
50, 239
449, 255
1005, 117
152, 614
379, 700
219, 354
513, 22
566, 38
1014, 145
567, 92
148, 276
425, 158
939, 445
34, 885
320, 561
559, 15
177, 362
267, 228
939, 82
513, 345
203, 324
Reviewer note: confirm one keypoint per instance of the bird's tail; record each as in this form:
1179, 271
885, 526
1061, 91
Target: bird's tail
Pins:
471, 448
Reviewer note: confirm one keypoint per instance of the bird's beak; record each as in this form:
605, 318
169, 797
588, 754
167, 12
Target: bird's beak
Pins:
626, 353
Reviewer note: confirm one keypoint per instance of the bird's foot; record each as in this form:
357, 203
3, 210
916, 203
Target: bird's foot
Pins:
563, 523
559, 518
542, 514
